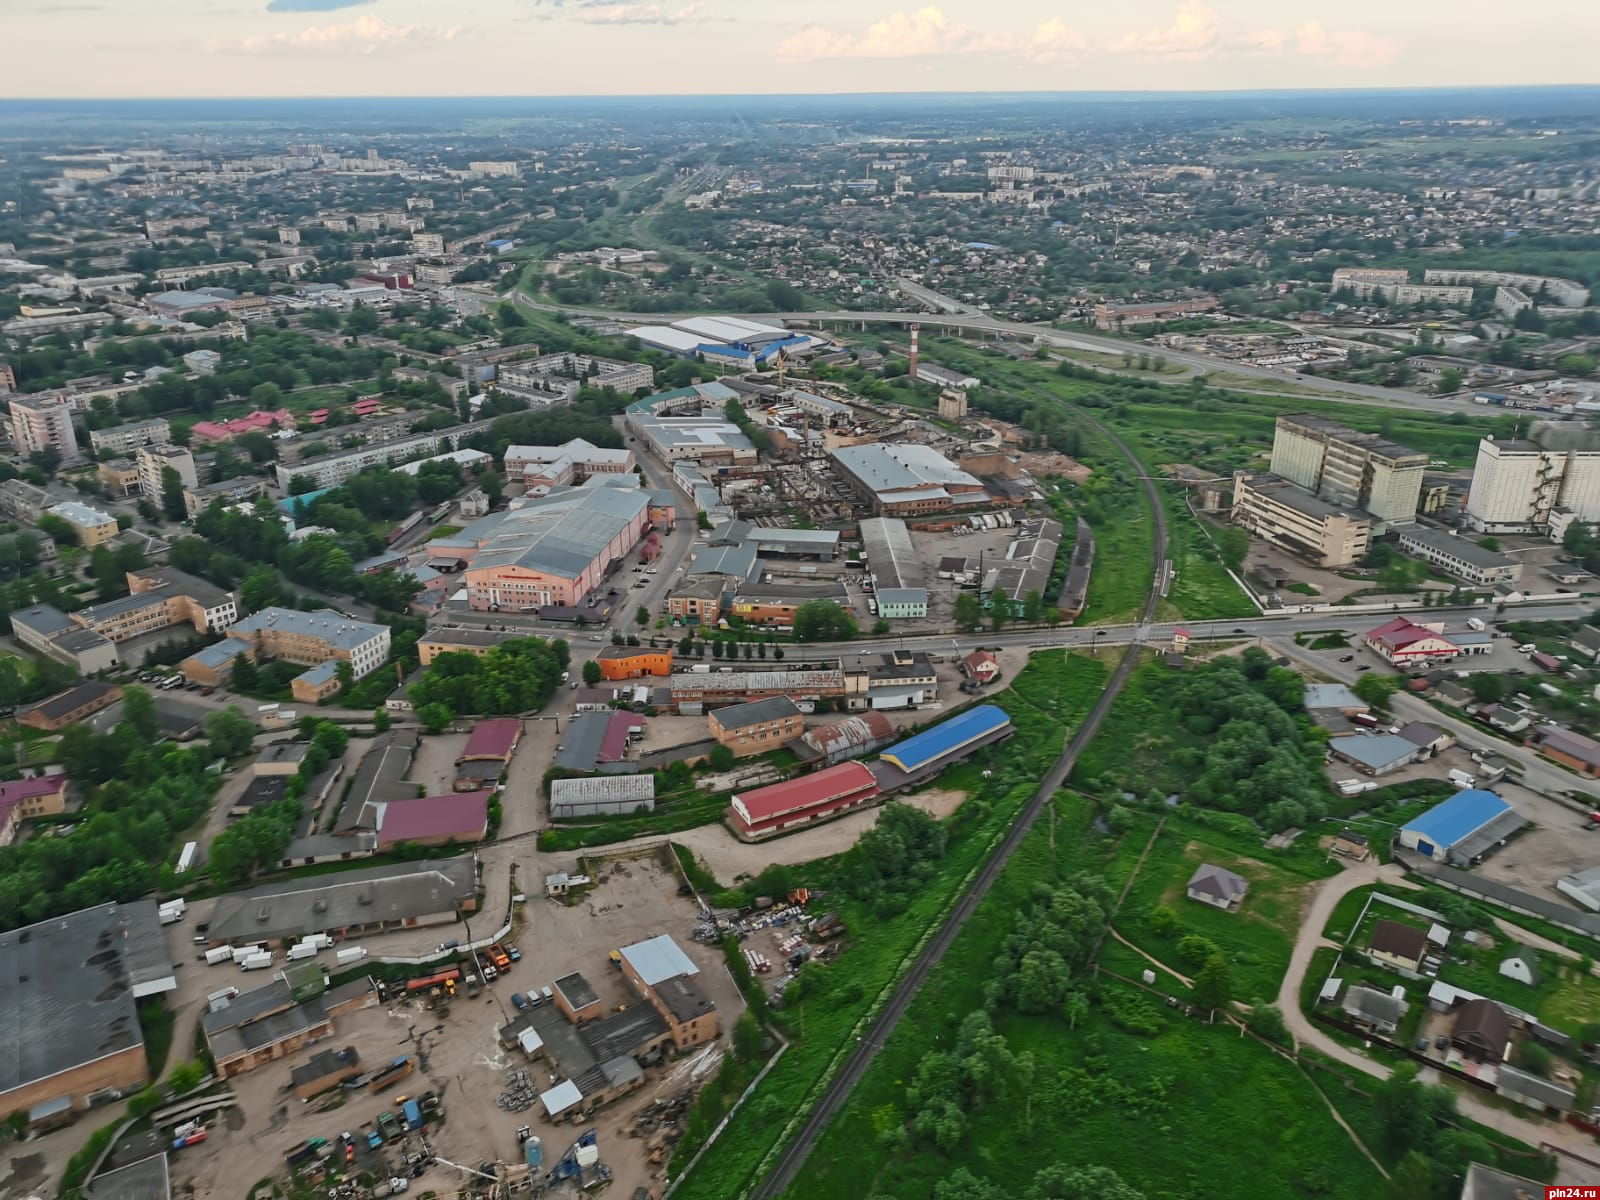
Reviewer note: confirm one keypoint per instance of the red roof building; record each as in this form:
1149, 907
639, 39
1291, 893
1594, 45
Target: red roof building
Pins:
23, 799
767, 811
434, 820
1406, 644
492, 740
981, 666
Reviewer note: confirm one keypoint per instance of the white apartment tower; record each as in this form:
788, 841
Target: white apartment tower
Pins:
1517, 486
1349, 468
43, 423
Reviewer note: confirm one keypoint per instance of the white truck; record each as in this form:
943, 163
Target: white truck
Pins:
221, 999
240, 953
219, 954
350, 954
302, 950
256, 961
1462, 780
1475, 624
171, 912
1354, 787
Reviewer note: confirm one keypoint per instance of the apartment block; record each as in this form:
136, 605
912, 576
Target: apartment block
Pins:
1131, 316
1349, 468
1294, 519
153, 461
43, 423
1518, 485
122, 439
1385, 276
330, 470
21, 501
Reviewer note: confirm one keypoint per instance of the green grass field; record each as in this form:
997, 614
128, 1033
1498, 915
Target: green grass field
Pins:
1045, 701
1100, 1096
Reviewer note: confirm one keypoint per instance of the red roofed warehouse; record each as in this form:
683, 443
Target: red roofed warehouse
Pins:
434, 820
1409, 645
767, 811
487, 754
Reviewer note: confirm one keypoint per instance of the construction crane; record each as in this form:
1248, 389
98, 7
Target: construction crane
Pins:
783, 363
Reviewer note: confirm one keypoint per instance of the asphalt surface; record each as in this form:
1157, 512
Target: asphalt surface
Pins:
861, 1058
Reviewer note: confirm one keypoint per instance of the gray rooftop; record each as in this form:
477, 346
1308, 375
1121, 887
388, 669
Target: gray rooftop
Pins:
67, 987
1292, 495
615, 788
790, 682
339, 631
1374, 751
1460, 547
577, 990
737, 559
885, 468
147, 1179
379, 777
43, 619
1332, 695
658, 959
755, 712
886, 542
560, 534
351, 898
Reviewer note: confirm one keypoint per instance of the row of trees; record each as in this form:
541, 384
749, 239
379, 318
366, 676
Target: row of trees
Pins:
894, 859
257, 841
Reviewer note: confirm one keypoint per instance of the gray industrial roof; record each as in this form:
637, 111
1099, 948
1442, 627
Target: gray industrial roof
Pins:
617, 788
657, 959
885, 468
1331, 695
1029, 560
577, 990
1463, 548
380, 776
147, 1179
1374, 751
560, 534
754, 712
705, 433
67, 988
351, 898
339, 631
737, 559
891, 558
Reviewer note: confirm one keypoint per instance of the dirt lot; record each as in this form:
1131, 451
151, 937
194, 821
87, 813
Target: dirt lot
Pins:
462, 1061
1556, 844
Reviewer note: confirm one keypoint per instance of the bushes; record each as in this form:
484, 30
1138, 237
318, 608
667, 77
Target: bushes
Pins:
894, 858
1050, 942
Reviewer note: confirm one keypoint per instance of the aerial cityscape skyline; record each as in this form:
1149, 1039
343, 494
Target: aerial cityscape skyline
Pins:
161, 48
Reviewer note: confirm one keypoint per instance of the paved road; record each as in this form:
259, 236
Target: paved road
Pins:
794, 1156
1306, 1032
964, 318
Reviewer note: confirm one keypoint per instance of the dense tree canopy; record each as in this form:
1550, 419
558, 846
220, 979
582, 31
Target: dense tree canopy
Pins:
519, 675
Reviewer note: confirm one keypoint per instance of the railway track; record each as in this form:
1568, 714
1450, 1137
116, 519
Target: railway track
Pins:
793, 1158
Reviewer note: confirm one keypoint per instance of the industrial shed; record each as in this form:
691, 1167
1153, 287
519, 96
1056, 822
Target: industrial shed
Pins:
602, 796
1463, 829
766, 811
926, 753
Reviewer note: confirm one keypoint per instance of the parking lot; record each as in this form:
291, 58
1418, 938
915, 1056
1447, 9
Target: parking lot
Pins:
461, 1060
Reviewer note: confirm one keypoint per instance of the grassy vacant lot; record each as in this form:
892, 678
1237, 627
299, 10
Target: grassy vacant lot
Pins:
1201, 589
1168, 1112
1045, 701
1257, 937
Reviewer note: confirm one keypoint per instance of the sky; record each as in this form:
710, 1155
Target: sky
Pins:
153, 48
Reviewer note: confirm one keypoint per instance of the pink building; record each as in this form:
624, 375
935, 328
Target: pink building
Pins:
222, 431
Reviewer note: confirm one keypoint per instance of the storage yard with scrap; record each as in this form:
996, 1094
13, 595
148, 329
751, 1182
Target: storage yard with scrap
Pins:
564, 1056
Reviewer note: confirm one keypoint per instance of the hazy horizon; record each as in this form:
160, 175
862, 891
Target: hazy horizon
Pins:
275, 49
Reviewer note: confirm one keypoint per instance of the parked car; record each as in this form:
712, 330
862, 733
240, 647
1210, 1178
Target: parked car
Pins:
1442, 1042
1347, 658
519, 1002
1364, 667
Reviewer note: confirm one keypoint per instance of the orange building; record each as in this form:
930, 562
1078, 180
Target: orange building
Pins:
633, 662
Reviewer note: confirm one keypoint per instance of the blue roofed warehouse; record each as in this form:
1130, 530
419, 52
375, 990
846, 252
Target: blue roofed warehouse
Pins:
925, 753
1463, 829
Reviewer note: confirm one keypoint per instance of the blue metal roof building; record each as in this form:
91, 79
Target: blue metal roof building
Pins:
948, 739
1462, 829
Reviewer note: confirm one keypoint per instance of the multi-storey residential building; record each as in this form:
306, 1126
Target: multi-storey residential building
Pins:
1383, 276
1289, 516
21, 501
1509, 302
43, 423
1348, 468
1566, 293
120, 439
8, 378
488, 169
1518, 485
427, 243
330, 470
153, 462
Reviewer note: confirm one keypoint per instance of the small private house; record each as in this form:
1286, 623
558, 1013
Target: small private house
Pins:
1379, 1011
1400, 946
1482, 1031
1217, 887
1523, 966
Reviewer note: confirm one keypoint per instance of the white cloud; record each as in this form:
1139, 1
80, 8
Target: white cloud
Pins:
1193, 35
1347, 48
366, 34
633, 12
899, 35
1055, 41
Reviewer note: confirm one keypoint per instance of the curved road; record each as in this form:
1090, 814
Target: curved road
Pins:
964, 318
838, 1091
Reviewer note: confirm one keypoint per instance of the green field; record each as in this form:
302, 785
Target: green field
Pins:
1045, 701
1100, 1095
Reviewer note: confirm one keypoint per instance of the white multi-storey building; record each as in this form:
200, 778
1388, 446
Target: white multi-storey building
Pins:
1517, 486
43, 423
1349, 468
